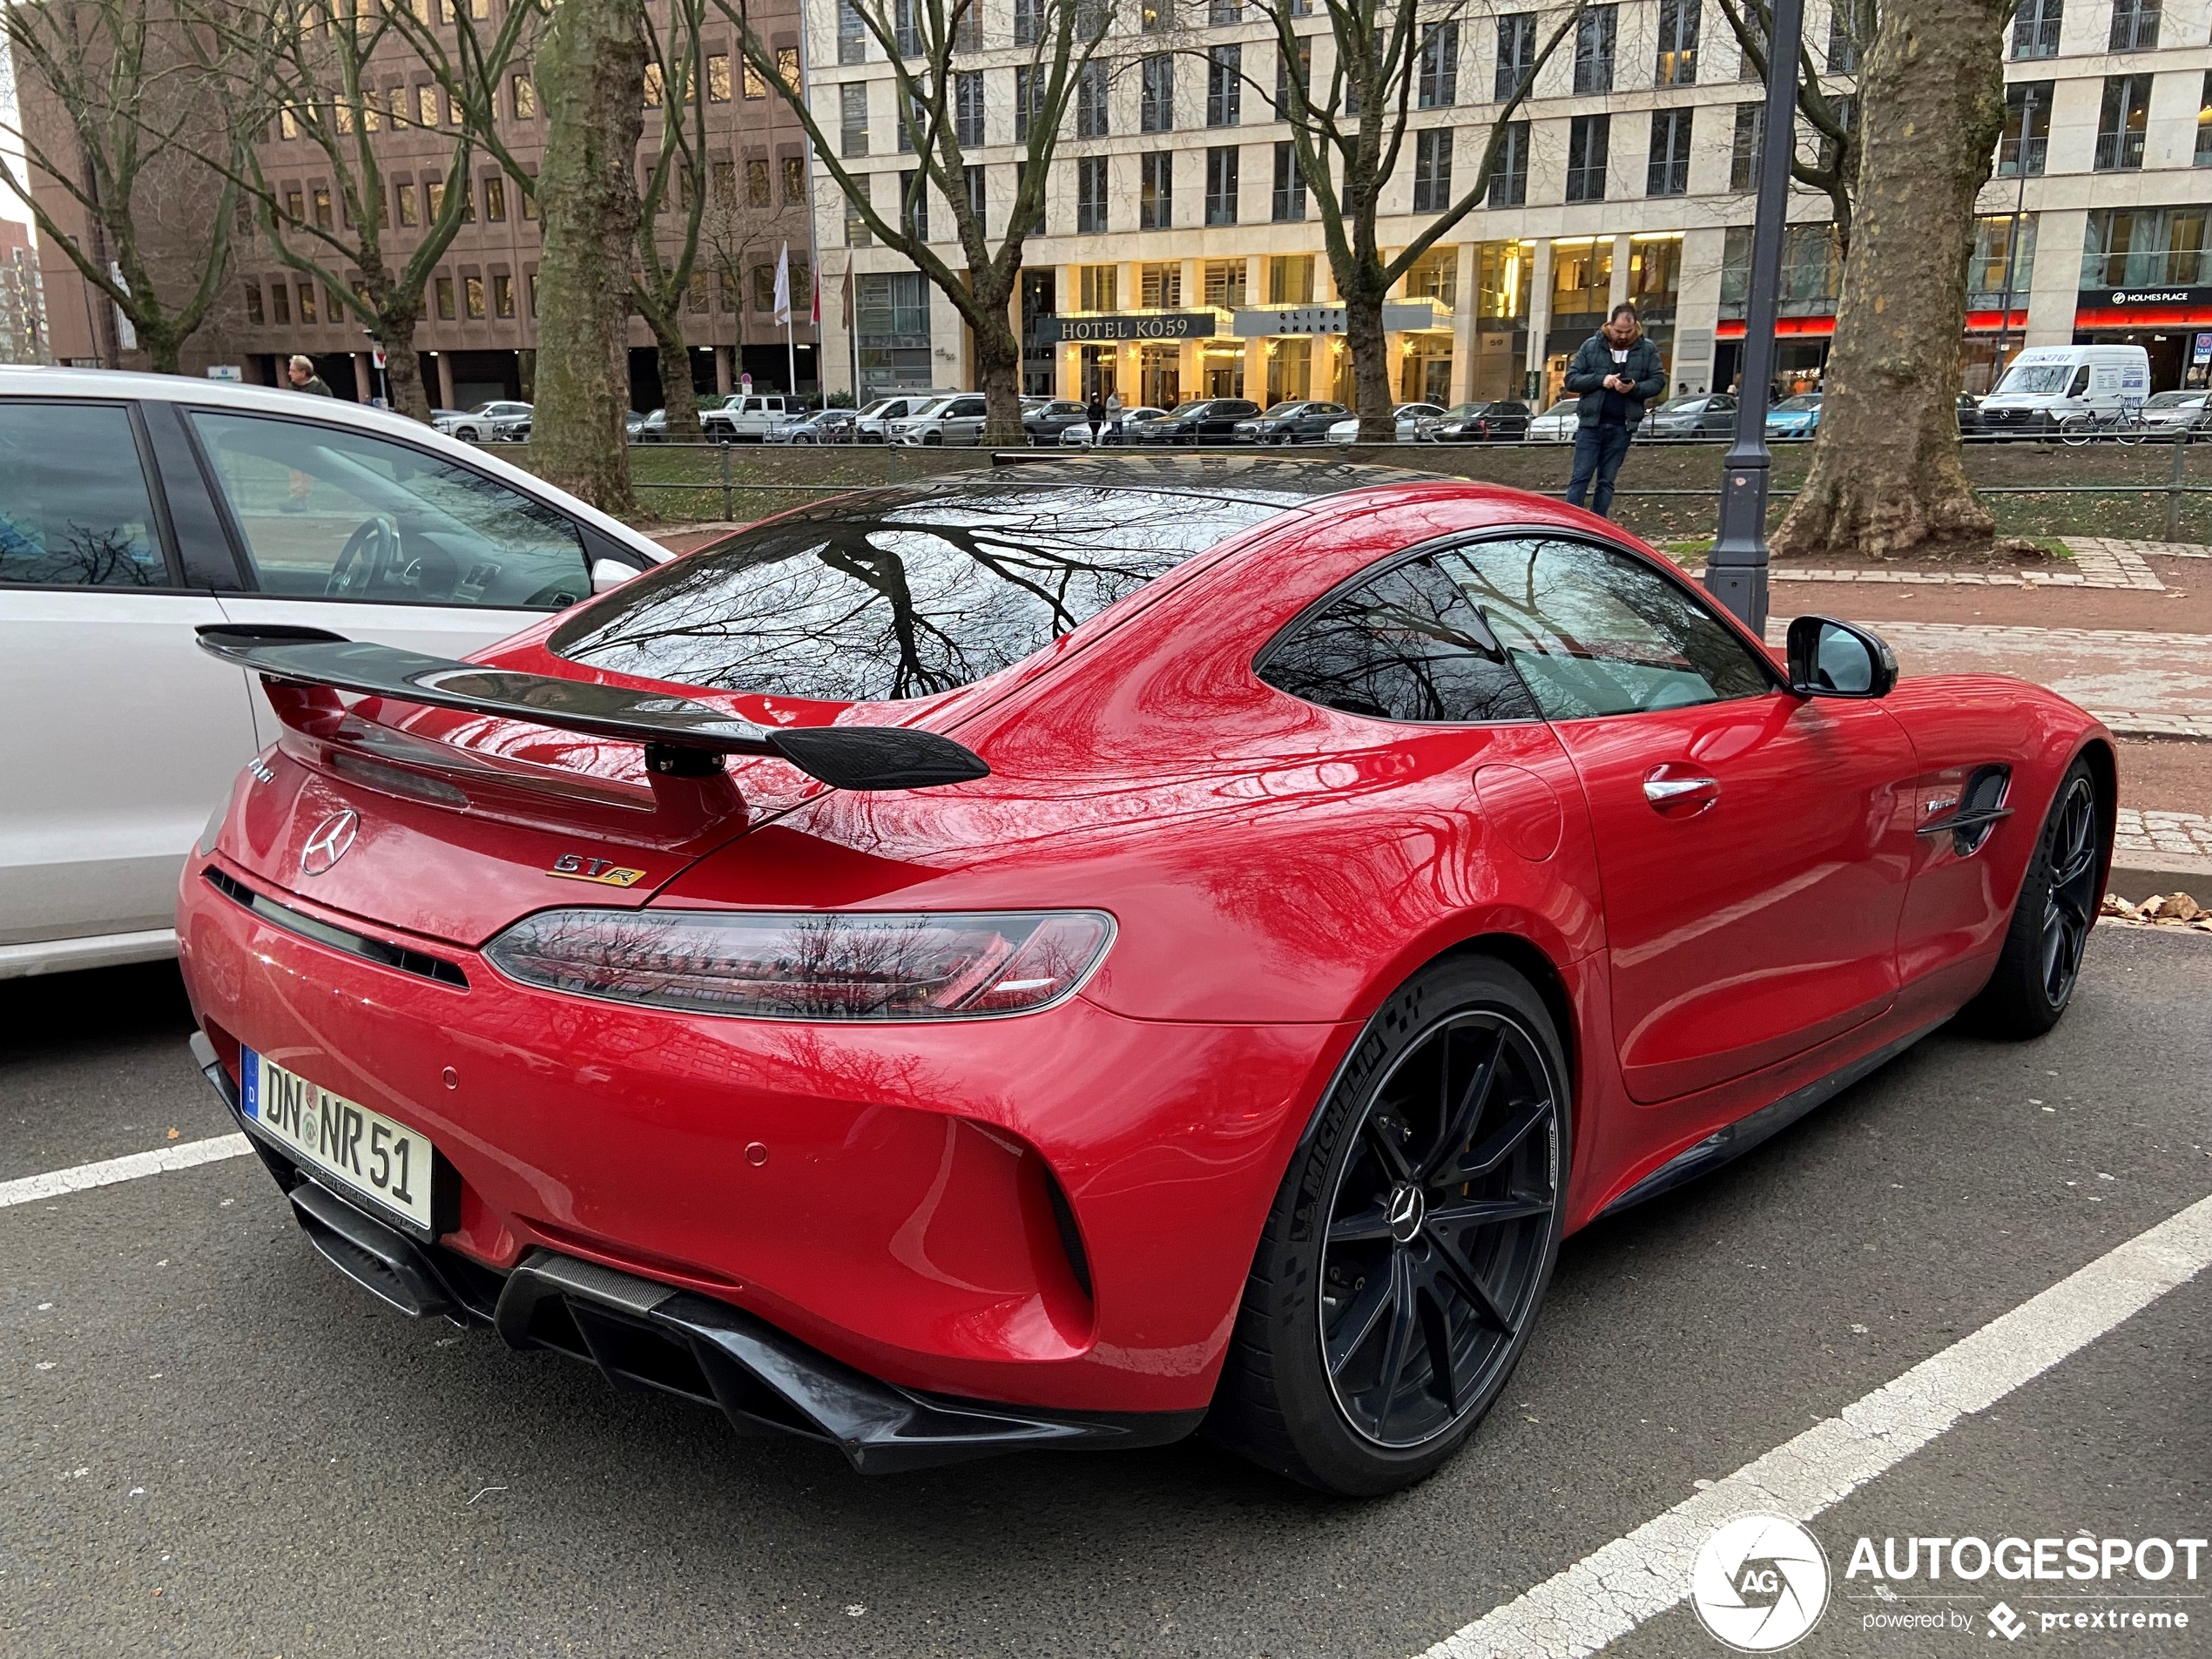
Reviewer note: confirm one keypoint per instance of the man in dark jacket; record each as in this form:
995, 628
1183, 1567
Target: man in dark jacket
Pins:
300, 372
1094, 413
1616, 373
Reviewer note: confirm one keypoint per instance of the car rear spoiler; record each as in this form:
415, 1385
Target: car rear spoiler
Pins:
681, 739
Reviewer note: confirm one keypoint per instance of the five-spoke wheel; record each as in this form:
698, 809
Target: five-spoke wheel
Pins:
2041, 961
2070, 906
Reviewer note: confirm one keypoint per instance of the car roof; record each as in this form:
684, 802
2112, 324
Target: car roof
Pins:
31, 381
1265, 480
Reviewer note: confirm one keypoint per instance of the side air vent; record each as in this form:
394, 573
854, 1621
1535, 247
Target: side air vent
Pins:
382, 952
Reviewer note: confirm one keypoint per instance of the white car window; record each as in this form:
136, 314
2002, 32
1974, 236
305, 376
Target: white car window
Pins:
329, 513
73, 505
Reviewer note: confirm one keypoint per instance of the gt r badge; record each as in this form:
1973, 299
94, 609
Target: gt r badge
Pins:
576, 867
329, 842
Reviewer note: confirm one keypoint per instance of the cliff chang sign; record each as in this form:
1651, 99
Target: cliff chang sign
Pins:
1327, 320
1169, 325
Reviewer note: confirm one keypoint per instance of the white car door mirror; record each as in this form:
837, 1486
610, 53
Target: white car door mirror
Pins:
611, 573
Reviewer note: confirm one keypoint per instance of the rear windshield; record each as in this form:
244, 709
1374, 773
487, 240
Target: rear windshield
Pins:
899, 593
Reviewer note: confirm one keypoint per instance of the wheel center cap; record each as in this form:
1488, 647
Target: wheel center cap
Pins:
1406, 1211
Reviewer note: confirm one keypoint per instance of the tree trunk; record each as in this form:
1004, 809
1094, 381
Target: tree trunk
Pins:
1887, 479
403, 365
1363, 339
998, 365
591, 82
163, 348
677, 395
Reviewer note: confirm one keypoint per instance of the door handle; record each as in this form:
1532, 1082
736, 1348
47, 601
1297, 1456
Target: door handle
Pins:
1676, 791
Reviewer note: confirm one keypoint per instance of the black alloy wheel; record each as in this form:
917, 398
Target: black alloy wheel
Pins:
2039, 966
1402, 1267
1439, 1230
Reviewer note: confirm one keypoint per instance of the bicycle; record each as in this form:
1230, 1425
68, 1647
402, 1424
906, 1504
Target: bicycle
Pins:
2124, 425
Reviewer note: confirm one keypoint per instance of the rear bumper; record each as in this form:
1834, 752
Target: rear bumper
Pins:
644, 1334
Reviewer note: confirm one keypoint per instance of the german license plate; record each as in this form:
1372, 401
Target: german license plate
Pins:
357, 1148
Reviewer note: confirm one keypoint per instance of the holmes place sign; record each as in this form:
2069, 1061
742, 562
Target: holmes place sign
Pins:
1327, 320
2149, 296
1173, 324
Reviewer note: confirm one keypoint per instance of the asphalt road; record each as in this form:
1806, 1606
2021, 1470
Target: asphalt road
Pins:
211, 1444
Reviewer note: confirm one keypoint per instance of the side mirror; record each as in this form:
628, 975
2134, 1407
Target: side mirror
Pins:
611, 573
1831, 658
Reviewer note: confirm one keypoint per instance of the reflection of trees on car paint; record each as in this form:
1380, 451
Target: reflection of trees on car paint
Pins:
903, 594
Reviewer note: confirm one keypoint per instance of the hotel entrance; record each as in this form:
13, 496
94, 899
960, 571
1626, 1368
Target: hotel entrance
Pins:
1159, 376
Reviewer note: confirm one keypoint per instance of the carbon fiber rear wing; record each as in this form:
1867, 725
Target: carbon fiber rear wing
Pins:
681, 739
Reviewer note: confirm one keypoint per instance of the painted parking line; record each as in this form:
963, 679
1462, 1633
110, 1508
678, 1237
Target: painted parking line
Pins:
1611, 1591
80, 1178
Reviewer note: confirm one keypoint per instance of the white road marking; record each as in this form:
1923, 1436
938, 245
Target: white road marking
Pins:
52, 1184
1613, 1589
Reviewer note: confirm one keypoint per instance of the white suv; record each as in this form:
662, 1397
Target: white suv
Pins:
958, 419
743, 417
135, 508
873, 423
485, 422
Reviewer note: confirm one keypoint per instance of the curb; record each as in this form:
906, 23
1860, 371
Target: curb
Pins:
2136, 876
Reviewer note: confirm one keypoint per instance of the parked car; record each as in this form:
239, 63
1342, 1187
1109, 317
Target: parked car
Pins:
633, 425
1079, 436
872, 424
1220, 1018
653, 428
1049, 418
1969, 414
308, 513
442, 420
1212, 420
1795, 417
1493, 420
1302, 421
1710, 415
1410, 420
957, 419
1557, 423
821, 425
2174, 415
744, 417
481, 424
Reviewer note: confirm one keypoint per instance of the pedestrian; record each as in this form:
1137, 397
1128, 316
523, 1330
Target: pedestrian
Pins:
1095, 412
1616, 372
301, 372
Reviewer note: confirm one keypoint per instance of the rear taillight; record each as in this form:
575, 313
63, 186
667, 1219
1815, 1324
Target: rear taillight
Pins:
783, 965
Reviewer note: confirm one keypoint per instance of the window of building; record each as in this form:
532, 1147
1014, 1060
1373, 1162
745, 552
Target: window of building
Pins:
1160, 287
1026, 15
1098, 288
1654, 271
1676, 62
1850, 33
2120, 127
726, 294
322, 207
2035, 28
434, 198
307, 302
1431, 170
1283, 76
1156, 191
2204, 123
1435, 276
254, 304
1028, 99
503, 296
2147, 247
852, 34
472, 296
913, 205
1997, 265
757, 187
1438, 85
2134, 26
2025, 145
287, 125
724, 174
523, 92
1225, 85
1747, 66
718, 79
794, 172
1156, 96
1221, 185
788, 68
1290, 278
1091, 94
977, 190
857, 233
426, 105
1744, 151
906, 27
404, 195
1222, 13
764, 287
1509, 176
853, 118
1156, 16
967, 27
967, 107
1223, 282
1517, 52
281, 301
1668, 173
495, 200
1090, 195
1288, 201
656, 87
1594, 36
1588, 139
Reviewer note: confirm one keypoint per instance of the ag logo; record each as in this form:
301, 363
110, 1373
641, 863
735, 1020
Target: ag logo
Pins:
1760, 1584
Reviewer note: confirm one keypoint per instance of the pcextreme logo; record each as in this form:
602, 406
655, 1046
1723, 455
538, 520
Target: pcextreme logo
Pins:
1760, 1584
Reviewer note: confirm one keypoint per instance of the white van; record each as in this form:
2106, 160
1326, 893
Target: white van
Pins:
2047, 383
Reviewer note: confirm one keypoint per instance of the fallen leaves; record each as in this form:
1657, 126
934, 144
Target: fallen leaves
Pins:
2163, 909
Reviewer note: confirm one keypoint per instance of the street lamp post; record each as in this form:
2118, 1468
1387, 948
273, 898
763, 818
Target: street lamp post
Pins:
1735, 572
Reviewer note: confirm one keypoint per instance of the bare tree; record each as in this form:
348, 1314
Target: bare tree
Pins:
676, 73
320, 62
1826, 157
1349, 119
119, 100
1886, 478
922, 40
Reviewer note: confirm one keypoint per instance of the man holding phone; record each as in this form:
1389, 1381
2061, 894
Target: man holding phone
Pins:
1616, 372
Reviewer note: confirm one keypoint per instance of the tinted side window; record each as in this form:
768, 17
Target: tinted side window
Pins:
74, 511
330, 513
1406, 646
1594, 632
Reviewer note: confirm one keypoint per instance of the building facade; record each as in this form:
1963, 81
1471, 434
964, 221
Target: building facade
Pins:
479, 327
22, 297
1180, 256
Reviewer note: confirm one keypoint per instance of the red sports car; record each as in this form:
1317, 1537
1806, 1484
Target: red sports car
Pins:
1057, 956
